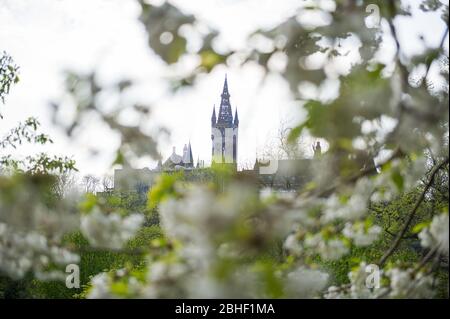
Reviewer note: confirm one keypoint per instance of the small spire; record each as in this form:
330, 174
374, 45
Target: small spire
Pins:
236, 118
191, 157
159, 165
213, 117
186, 160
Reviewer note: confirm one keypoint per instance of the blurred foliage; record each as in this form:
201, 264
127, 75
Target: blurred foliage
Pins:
219, 237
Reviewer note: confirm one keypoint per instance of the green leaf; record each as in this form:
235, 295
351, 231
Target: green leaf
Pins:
209, 59
120, 159
176, 49
294, 134
119, 288
418, 228
273, 285
398, 180
163, 189
88, 204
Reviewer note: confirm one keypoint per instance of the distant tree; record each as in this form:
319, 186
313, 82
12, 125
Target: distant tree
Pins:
25, 132
107, 183
90, 183
280, 147
65, 183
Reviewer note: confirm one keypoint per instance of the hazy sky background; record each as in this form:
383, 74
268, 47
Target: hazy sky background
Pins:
46, 37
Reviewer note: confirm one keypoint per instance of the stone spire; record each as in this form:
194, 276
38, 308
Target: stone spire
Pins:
225, 118
236, 119
159, 165
213, 117
191, 158
185, 153
188, 159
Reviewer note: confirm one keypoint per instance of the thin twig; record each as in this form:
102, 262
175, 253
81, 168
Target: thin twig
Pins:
427, 258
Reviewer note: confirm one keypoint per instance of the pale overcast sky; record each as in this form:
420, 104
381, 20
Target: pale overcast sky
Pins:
46, 37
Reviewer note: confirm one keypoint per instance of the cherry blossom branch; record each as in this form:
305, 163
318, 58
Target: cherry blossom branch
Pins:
365, 172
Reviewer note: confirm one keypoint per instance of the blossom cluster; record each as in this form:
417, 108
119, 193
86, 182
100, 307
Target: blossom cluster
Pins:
437, 234
109, 230
21, 252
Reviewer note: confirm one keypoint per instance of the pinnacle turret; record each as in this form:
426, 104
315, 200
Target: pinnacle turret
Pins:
213, 117
236, 118
191, 157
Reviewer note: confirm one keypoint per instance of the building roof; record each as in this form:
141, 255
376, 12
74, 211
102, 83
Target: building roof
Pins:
176, 161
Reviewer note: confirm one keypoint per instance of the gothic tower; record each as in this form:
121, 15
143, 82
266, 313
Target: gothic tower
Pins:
224, 130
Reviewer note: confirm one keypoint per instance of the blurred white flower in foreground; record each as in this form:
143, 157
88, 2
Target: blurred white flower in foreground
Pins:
360, 235
22, 252
356, 289
305, 283
292, 245
331, 249
110, 231
100, 287
406, 284
437, 234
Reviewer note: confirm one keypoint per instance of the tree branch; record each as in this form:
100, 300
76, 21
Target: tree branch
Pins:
411, 215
